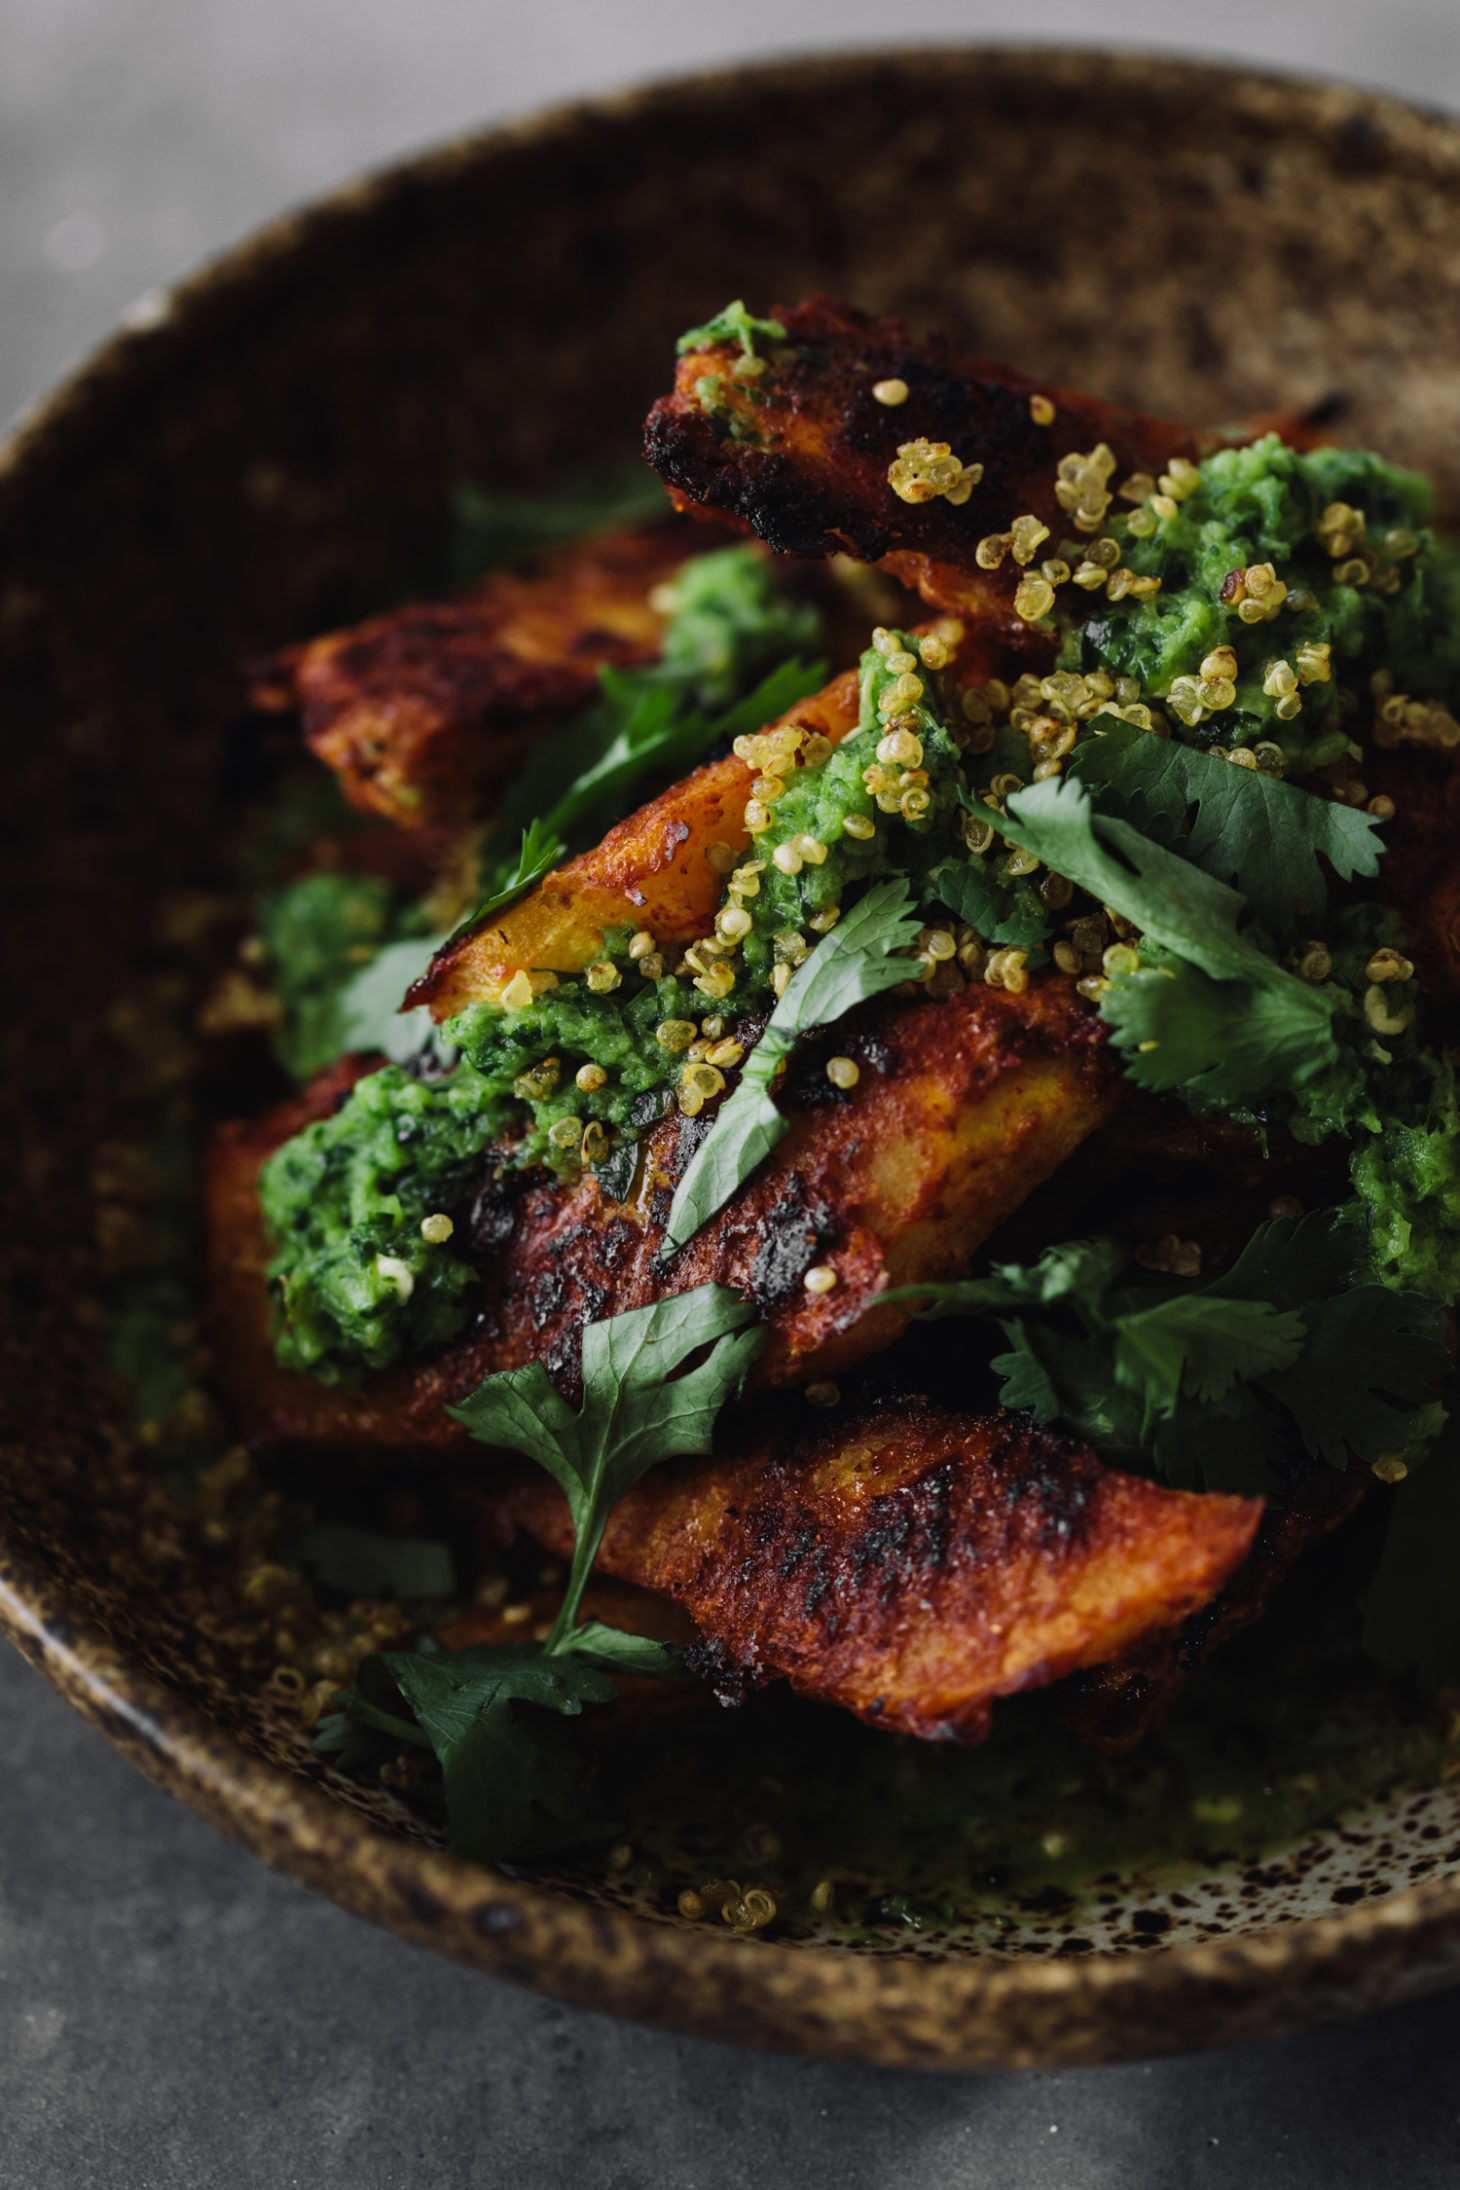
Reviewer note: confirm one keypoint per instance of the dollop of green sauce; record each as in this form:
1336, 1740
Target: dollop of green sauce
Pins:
1264, 504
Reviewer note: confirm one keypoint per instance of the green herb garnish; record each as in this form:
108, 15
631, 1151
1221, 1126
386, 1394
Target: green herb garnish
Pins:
855, 962
734, 324
1211, 1382
364, 1562
493, 529
371, 1017
509, 1789
542, 849
1216, 1013
733, 660
1249, 829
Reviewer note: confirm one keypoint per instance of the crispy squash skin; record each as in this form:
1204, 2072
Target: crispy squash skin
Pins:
1114, 1707
423, 713
808, 474
910, 1565
962, 1107
649, 872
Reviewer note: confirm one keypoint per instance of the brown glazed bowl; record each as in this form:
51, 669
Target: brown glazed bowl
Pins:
257, 456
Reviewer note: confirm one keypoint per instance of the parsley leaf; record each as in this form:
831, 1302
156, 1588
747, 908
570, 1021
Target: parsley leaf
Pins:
507, 1788
492, 529
542, 849
734, 324
851, 964
1178, 1023
632, 1415
510, 1785
370, 1004
1253, 830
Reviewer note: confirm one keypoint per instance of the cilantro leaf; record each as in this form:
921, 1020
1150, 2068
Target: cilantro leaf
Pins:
733, 324
492, 529
847, 967
635, 1410
1209, 1382
502, 1779
1030, 1382
1198, 1348
1247, 828
1083, 1268
615, 1651
1009, 913
632, 1414
542, 849
1226, 1042
1290, 1260
731, 624
1370, 1357
1187, 1036
653, 734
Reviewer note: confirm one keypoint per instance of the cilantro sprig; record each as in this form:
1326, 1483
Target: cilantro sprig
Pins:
541, 849
733, 324
1211, 1383
509, 1784
1215, 1013
854, 962
1254, 831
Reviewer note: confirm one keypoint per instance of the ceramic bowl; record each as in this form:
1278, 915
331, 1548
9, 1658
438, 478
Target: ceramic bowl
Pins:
262, 452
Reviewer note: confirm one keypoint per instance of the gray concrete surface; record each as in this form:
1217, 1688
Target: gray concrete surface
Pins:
173, 2016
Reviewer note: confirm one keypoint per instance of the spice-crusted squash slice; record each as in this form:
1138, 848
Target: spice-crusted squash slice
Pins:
425, 712
962, 1107
909, 1565
653, 871
795, 446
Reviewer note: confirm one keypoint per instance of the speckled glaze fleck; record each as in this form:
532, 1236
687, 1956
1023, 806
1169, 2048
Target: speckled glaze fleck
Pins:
258, 455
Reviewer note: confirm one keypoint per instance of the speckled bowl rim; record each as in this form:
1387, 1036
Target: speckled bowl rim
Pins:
890, 2009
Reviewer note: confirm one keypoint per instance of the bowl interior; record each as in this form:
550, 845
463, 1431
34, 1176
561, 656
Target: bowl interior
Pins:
272, 451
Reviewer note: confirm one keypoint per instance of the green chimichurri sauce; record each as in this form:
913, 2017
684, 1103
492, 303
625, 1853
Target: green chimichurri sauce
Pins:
1376, 590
